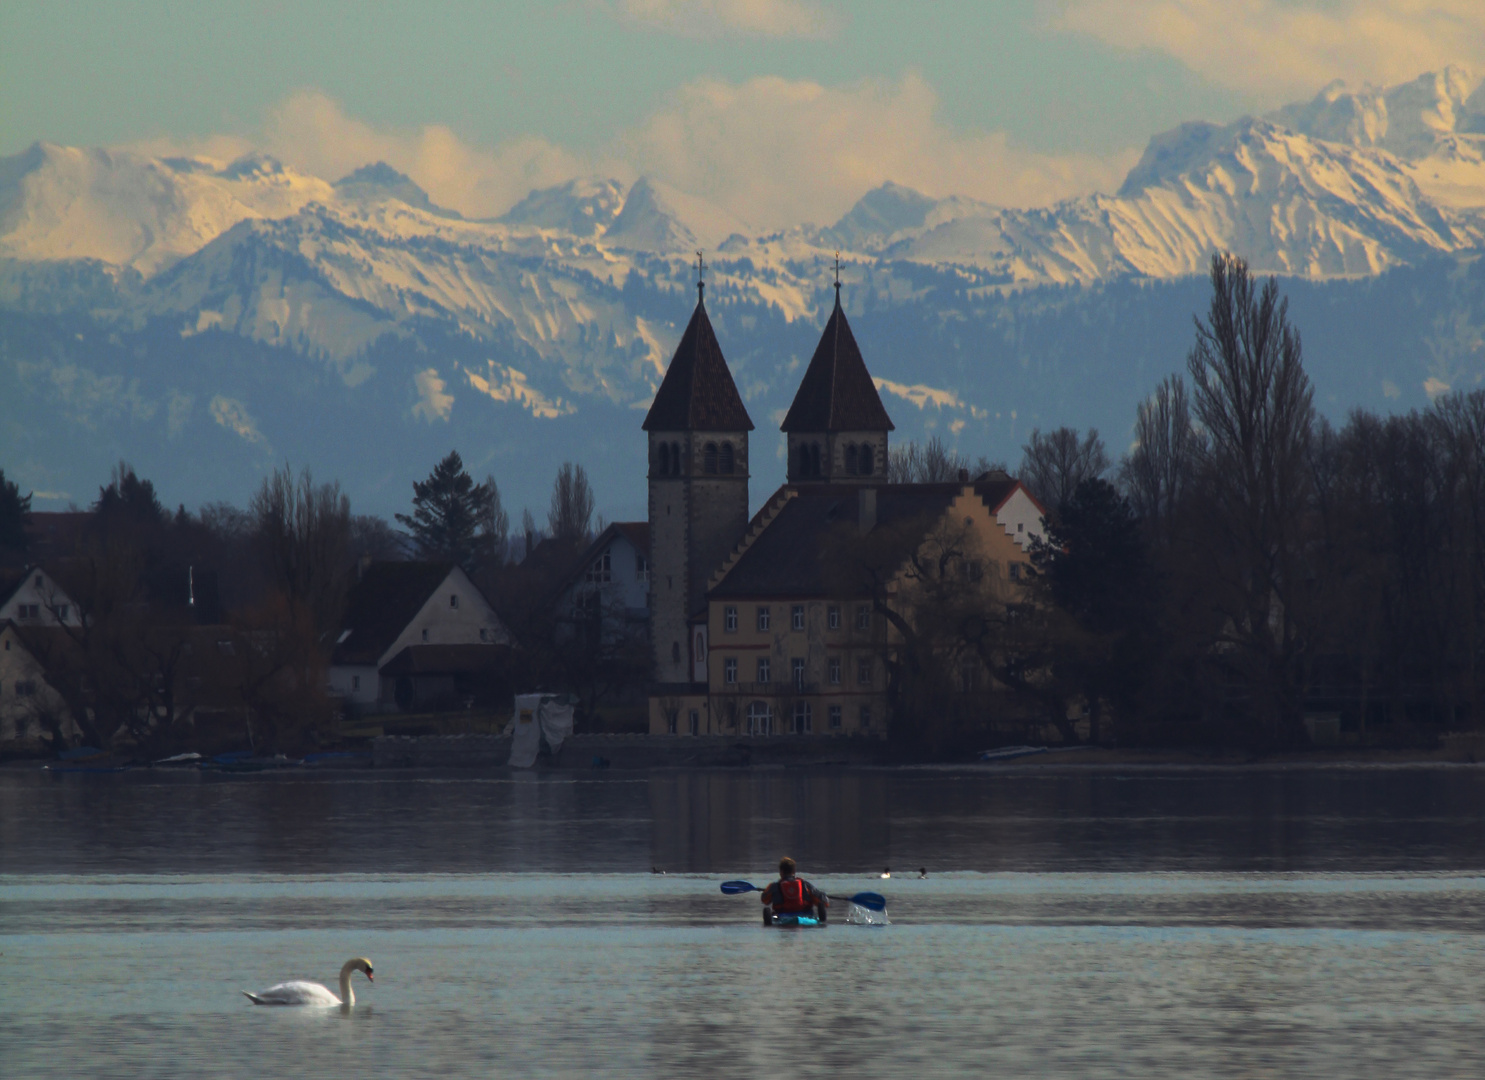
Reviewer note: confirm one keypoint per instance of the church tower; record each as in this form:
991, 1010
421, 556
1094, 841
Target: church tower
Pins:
837, 428
698, 441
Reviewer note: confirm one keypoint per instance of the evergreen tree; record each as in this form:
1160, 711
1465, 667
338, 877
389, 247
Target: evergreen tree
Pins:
453, 519
15, 512
129, 499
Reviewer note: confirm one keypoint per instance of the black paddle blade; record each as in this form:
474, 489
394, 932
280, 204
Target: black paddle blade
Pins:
733, 887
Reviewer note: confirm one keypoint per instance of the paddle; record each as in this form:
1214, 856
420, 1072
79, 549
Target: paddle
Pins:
869, 900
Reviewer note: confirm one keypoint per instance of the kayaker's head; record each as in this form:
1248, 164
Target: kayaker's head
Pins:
786, 867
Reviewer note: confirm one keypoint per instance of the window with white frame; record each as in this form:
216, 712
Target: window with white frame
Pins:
865, 716
729, 619
798, 673
835, 718
801, 717
601, 572
764, 672
729, 671
863, 616
796, 617
832, 616
765, 617
863, 671
760, 718
834, 668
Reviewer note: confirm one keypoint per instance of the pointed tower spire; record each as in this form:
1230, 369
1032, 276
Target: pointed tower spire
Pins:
837, 427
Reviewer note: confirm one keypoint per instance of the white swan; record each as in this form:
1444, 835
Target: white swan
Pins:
308, 993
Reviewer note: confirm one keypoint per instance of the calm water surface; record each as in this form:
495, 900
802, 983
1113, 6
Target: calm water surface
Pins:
1080, 923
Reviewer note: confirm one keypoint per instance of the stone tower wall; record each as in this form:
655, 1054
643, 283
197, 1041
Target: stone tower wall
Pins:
696, 519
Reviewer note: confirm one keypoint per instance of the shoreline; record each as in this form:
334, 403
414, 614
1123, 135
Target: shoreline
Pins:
632, 753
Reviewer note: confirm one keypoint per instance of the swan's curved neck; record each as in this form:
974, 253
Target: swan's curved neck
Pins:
347, 995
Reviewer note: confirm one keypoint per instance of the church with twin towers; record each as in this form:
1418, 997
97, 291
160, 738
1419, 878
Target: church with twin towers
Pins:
751, 632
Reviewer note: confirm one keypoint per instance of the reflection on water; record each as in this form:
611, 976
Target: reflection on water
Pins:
847, 821
1075, 923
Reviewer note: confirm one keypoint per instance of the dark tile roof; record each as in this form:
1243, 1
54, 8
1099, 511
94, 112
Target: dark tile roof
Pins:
444, 659
836, 393
798, 554
637, 533
381, 605
697, 393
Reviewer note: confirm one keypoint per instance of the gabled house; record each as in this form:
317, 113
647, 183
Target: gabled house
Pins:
416, 635
33, 597
30, 707
604, 600
795, 640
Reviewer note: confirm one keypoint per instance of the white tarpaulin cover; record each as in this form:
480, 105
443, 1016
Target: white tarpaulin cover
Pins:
538, 716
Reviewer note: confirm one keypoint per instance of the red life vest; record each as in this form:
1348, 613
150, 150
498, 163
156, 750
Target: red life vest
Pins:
791, 897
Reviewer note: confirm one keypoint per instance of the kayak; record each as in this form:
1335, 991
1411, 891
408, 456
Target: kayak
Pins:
795, 920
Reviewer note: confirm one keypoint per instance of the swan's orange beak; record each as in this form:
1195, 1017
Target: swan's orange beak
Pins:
369, 978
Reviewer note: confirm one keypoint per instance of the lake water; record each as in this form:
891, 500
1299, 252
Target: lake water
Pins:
1139, 922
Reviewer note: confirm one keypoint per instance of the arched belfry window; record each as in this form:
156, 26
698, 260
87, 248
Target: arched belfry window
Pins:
725, 462
663, 464
709, 459
851, 459
866, 462
815, 459
675, 459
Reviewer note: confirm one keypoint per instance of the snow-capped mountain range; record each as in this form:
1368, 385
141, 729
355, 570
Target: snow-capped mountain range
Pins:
573, 299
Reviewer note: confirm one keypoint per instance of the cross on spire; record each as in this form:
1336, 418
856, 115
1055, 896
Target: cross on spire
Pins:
700, 275
837, 277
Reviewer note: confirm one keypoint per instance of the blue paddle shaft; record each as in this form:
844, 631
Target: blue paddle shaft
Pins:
869, 900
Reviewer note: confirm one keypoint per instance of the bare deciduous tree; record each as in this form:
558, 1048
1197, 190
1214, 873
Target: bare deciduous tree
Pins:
1254, 400
1157, 474
1053, 465
303, 533
571, 514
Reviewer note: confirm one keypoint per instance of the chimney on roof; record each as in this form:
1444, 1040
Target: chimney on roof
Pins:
964, 476
866, 509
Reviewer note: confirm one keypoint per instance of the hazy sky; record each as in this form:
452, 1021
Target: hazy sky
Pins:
779, 110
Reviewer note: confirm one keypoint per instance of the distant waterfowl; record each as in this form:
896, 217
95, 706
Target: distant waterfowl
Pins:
886, 872
308, 993
922, 873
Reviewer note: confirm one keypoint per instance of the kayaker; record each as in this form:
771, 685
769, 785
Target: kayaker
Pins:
791, 895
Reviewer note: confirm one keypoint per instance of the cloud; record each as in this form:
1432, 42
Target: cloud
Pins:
714, 18
1279, 48
773, 152
776, 152
310, 131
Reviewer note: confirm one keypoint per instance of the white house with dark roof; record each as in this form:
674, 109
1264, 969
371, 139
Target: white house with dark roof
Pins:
605, 597
33, 597
414, 635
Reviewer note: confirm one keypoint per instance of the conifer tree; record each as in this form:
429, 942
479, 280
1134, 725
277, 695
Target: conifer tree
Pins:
454, 519
15, 510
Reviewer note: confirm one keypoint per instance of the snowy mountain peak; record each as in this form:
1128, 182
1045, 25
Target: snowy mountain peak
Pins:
582, 207
1408, 120
657, 217
372, 183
